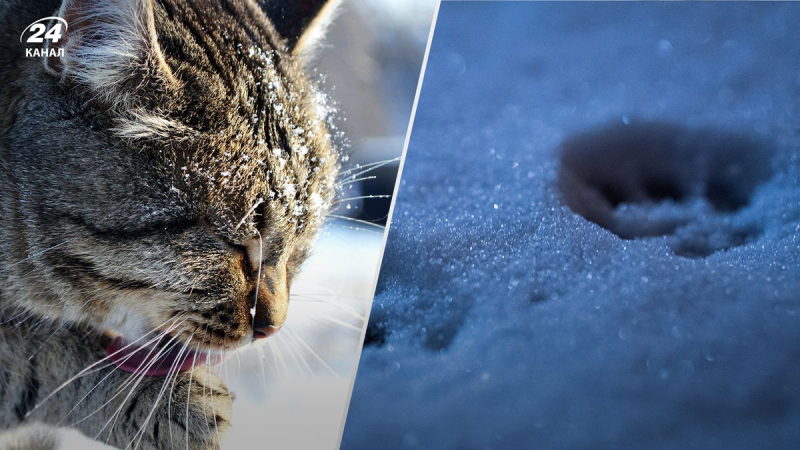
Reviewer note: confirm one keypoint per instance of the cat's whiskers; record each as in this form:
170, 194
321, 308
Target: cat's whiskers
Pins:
205, 382
366, 168
310, 350
291, 349
173, 371
258, 279
225, 364
95, 364
279, 355
345, 308
352, 178
328, 293
359, 221
130, 380
356, 180
286, 351
205, 379
119, 389
11, 319
172, 389
64, 321
189, 402
213, 402
139, 375
296, 348
292, 342
338, 326
109, 374
35, 255
334, 323
361, 197
40, 319
276, 366
262, 357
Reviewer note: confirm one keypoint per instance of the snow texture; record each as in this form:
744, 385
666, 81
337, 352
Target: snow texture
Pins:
596, 242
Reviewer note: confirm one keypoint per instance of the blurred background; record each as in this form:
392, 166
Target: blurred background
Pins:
371, 65
293, 391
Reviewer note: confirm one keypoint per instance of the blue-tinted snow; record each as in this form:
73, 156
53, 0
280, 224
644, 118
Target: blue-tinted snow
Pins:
506, 320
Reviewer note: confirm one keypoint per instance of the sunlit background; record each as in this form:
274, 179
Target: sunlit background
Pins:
292, 391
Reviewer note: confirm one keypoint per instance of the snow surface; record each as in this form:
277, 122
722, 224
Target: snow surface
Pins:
505, 319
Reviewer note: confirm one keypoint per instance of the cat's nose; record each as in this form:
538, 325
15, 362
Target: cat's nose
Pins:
271, 302
265, 331
269, 313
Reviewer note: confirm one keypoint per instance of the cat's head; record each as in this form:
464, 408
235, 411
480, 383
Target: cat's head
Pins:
173, 155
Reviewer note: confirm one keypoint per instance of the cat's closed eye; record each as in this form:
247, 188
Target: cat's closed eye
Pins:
136, 228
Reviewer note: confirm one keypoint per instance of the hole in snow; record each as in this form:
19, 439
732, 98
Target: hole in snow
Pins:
655, 179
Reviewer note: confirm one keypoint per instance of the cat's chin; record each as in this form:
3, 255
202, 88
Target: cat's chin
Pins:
158, 360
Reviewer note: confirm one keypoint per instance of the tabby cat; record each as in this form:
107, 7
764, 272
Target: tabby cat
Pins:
161, 182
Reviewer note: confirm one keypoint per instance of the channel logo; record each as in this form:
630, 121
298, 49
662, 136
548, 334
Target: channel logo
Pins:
44, 32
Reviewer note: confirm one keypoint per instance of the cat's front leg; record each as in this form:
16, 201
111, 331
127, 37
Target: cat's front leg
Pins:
191, 410
63, 378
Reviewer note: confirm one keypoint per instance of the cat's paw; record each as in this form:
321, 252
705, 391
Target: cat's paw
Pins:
192, 411
208, 403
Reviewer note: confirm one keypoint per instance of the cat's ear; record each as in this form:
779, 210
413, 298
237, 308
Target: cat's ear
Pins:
110, 47
302, 23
